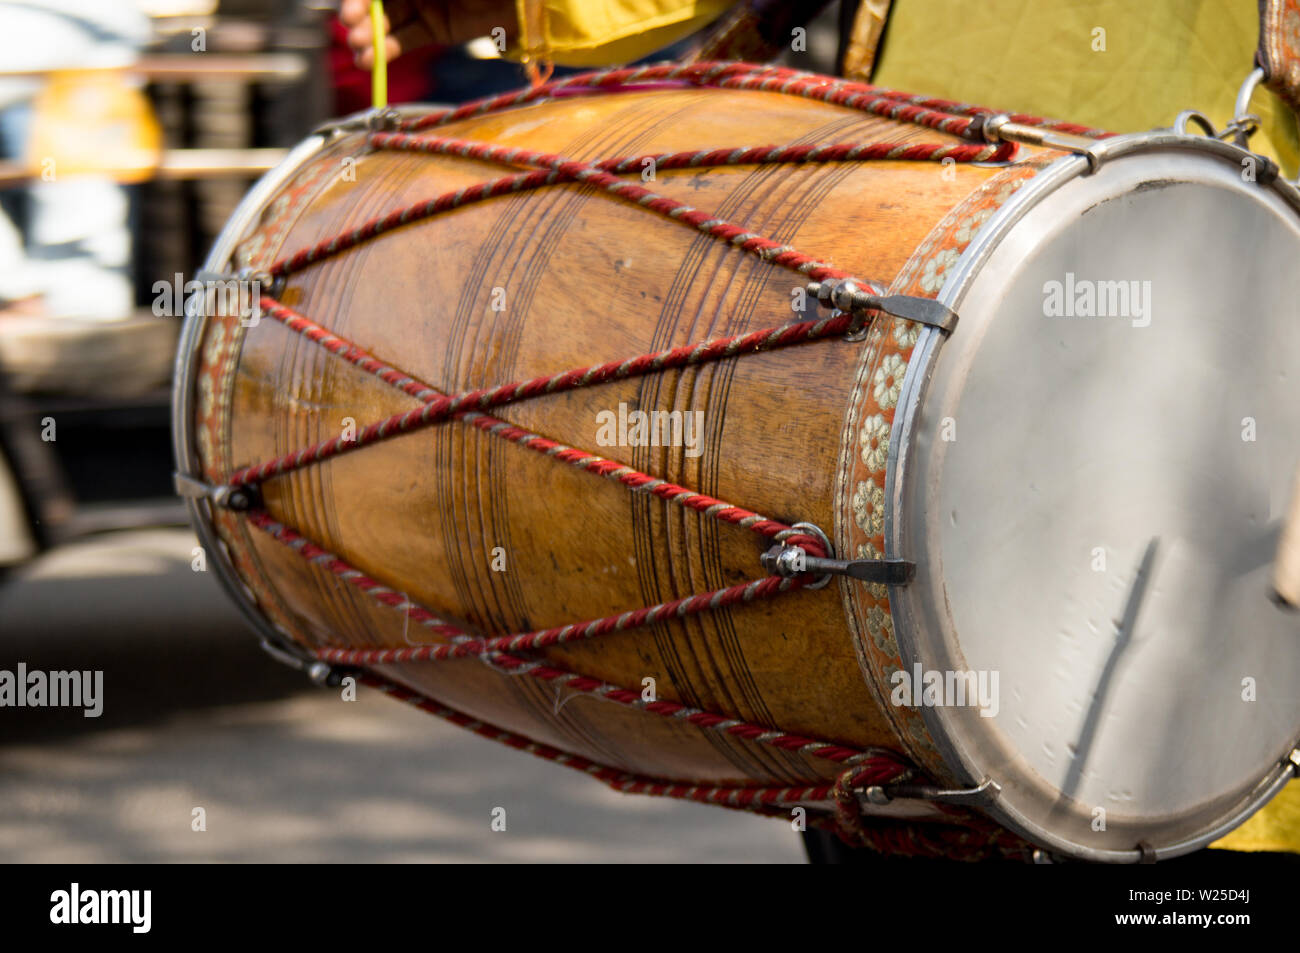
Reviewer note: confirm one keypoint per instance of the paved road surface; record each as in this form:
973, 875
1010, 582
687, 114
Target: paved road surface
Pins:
196, 716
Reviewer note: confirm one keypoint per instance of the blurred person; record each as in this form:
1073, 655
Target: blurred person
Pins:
413, 25
409, 79
76, 258
535, 32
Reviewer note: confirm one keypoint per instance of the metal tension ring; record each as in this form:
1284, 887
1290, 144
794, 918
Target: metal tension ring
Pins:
1243, 123
1239, 129
789, 561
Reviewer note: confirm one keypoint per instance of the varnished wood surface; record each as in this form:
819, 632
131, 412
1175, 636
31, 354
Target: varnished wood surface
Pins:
587, 279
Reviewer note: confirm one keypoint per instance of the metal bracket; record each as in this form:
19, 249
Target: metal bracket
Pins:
985, 793
844, 295
1238, 130
322, 673
372, 120
267, 283
1000, 128
237, 498
787, 561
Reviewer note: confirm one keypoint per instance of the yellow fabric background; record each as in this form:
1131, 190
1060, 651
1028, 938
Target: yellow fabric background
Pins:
586, 33
1276, 827
1162, 56
1036, 56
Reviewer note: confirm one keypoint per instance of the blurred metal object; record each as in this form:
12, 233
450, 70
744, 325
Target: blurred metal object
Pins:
178, 164
215, 163
188, 67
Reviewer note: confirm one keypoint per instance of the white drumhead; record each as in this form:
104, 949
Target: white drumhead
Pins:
1092, 490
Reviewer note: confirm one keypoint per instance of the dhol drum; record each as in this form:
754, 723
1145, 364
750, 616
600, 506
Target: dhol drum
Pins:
779, 442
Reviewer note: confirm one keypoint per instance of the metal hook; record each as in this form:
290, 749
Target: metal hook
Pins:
1241, 111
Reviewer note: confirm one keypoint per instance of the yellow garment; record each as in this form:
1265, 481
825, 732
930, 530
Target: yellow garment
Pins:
607, 32
1037, 56
1275, 827
1159, 57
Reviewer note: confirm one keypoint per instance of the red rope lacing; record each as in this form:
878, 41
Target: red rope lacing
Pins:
763, 799
497, 652
941, 114
602, 174
610, 469
873, 766
972, 840
439, 408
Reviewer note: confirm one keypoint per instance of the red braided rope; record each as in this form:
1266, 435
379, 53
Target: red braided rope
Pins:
640, 482
507, 185
735, 75
470, 646
496, 656
634, 480
729, 75
974, 839
744, 797
842, 152
979, 841
529, 181
438, 409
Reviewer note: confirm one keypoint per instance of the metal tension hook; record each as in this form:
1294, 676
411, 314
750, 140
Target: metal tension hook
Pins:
788, 561
844, 295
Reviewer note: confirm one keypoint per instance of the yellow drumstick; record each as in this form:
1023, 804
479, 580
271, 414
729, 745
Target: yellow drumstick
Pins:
378, 72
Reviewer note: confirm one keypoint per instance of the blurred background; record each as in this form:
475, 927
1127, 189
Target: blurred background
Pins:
187, 102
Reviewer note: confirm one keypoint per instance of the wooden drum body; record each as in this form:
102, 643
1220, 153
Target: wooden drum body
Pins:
497, 538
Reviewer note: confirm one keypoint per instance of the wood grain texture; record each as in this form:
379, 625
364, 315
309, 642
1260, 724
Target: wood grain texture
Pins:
587, 279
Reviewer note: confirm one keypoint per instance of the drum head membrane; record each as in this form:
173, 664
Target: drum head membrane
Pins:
1099, 468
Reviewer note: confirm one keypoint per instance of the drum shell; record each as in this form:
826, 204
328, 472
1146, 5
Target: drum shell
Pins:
580, 278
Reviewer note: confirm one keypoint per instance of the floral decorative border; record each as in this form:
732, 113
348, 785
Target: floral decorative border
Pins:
860, 489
